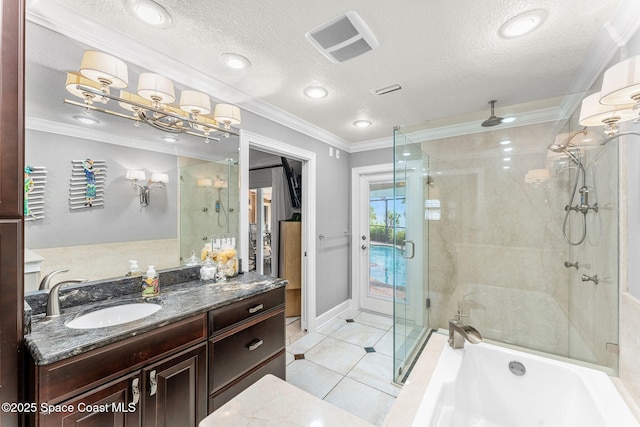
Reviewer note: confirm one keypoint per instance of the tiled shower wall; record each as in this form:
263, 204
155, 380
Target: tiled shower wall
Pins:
497, 254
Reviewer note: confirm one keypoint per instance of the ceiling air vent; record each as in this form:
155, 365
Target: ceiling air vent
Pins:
387, 89
343, 37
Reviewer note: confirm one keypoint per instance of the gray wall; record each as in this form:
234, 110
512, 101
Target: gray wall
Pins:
122, 218
372, 157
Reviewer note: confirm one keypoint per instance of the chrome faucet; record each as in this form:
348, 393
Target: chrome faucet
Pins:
53, 303
459, 332
44, 283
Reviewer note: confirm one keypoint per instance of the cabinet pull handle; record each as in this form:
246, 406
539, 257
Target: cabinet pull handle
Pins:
153, 383
256, 308
255, 344
135, 391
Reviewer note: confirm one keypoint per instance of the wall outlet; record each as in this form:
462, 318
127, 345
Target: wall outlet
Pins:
337, 153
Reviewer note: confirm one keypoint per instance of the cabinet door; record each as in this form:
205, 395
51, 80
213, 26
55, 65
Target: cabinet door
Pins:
175, 389
115, 404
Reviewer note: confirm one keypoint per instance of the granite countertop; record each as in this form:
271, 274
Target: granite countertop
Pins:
49, 340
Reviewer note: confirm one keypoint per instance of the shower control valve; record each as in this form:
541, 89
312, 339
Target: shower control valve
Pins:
593, 278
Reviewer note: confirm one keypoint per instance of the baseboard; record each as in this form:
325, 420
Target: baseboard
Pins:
331, 314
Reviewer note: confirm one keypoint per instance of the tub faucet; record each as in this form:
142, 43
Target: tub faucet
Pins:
44, 283
53, 303
459, 332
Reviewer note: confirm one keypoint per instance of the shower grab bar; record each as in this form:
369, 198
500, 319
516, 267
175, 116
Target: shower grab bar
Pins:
333, 236
413, 250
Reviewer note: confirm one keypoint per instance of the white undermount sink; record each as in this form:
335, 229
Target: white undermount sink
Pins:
112, 316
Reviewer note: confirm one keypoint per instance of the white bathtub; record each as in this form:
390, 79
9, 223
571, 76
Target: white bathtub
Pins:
474, 387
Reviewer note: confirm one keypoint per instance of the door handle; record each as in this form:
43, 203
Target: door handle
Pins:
135, 391
413, 249
153, 383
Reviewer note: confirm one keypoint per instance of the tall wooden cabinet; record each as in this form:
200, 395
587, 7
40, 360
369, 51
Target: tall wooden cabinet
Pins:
290, 264
11, 209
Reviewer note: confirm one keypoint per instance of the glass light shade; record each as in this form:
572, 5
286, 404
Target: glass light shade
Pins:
102, 67
159, 177
204, 182
138, 175
621, 82
193, 101
75, 79
227, 113
152, 86
132, 97
592, 113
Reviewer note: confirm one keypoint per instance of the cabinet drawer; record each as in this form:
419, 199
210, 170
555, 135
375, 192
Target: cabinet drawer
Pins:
242, 310
275, 366
231, 357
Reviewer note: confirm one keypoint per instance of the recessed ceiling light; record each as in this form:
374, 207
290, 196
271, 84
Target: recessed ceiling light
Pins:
505, 142
316, 92
507, 159
505, 167
406, 153
235, 61
149, 12
362, 123
169, 139
523, 23
87, 120
508, 120
507, 149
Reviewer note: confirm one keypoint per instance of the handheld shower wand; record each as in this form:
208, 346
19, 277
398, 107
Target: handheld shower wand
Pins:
583, 207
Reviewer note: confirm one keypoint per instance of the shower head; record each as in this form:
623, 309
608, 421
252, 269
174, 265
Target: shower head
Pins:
492, 120
562, 147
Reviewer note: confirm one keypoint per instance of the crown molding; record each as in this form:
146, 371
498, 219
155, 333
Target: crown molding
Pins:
372, 144
66, 21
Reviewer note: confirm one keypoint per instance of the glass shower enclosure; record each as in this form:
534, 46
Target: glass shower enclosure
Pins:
495, 231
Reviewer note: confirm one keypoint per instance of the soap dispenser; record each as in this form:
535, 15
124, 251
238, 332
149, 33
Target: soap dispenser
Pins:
134, 270
150, 283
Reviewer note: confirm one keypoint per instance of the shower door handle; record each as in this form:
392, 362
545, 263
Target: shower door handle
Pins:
413, 249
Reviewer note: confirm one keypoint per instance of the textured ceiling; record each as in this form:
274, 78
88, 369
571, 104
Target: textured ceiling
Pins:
447, 56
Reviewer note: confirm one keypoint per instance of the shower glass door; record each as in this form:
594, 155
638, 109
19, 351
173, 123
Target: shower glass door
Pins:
411, 290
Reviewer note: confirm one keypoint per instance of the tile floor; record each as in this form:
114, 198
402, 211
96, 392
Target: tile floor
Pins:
347, 362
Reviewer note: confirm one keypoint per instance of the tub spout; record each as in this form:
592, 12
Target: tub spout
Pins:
459, 332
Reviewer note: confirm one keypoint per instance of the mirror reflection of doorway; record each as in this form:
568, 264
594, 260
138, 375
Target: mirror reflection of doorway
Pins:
275, 232
260, 219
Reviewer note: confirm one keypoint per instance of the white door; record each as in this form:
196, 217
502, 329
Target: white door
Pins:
373, 241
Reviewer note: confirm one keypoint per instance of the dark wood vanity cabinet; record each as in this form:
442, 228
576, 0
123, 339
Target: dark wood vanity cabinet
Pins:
172, 376
152, 379
247, 341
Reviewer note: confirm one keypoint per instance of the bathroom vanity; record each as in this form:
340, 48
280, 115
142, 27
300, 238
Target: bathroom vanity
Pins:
205, 345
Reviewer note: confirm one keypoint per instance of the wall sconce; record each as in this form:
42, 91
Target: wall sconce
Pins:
157, 180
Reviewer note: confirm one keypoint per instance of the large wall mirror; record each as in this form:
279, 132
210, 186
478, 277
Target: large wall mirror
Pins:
197, 200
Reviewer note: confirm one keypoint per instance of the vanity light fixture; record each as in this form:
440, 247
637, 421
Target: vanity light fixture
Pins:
153, 101
315, 92
157, 180
593, 113
235, 61
362, 123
